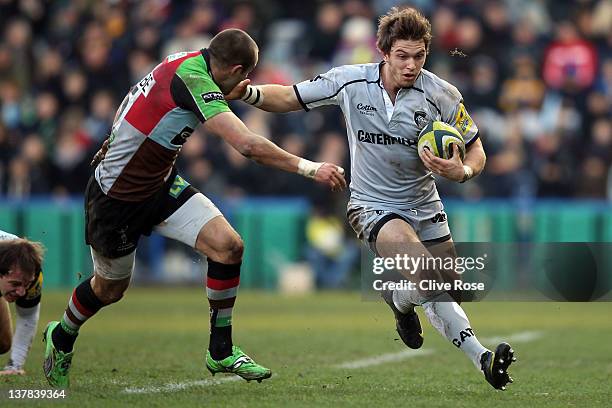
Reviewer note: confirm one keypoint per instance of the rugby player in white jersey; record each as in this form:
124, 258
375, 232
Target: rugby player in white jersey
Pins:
20, 283
394, 206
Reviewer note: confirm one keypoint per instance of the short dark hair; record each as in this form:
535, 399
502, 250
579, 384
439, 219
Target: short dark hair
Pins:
402, 24
233, 47
25, 254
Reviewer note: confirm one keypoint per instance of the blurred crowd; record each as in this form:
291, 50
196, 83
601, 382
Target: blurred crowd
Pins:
536, 75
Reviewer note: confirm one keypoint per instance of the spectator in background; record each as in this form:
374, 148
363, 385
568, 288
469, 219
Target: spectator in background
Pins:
497, 51
524, 90
485, 84
597, 161
570, 62
100, 120
325, 36
330, 252
18, 37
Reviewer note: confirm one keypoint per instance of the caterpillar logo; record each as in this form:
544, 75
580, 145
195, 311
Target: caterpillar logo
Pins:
383, 139
463, 334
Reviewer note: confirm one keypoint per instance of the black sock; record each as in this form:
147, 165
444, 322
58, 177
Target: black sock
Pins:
62, 340
82, 306
220, 345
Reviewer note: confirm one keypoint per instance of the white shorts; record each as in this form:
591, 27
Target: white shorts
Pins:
183, 225
429, 221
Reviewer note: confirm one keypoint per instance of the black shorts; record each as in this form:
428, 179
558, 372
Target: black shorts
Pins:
113, 227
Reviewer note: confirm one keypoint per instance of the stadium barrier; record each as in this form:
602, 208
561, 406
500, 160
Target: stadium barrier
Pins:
273, 232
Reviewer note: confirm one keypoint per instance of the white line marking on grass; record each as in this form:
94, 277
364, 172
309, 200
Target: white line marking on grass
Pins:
384, 358
521, 337
174, 387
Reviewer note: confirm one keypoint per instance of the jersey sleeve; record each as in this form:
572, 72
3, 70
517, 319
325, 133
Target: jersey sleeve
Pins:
320, 90
33, 294
194, 89
454, 113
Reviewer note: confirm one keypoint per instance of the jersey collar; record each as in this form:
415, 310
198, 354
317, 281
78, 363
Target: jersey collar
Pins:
206, 55
379, 81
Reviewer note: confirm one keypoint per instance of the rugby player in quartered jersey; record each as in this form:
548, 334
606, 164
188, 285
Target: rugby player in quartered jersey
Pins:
136, 190
154, 121
394, 206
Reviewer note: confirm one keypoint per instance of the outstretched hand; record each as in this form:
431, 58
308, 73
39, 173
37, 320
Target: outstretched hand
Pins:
451, 168
99, 156
12, 371
331, 175
238, 90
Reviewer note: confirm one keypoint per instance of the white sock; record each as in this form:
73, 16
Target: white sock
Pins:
450, 320
402, 302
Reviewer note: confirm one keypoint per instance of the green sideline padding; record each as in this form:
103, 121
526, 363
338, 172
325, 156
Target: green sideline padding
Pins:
273, 233
60, 228
273, 236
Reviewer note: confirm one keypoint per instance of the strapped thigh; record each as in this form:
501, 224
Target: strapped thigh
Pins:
185, 223
113, 268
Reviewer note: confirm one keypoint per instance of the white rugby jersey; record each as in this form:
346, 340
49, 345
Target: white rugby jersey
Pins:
386, 169
4, 236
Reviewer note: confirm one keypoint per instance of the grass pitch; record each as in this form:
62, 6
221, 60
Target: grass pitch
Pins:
325, 350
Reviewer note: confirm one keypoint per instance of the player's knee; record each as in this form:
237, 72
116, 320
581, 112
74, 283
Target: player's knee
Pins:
109, 297
5, 344
232, 250
109, 293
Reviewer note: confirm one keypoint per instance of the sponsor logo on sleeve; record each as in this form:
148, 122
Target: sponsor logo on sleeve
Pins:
463, 121
176, 56
146, 84
212, 96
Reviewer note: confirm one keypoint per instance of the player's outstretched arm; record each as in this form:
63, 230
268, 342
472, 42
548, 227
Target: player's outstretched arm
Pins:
259, 149
25, 329
271, 98
453, 168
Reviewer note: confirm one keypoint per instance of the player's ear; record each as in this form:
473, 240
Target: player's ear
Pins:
236, 69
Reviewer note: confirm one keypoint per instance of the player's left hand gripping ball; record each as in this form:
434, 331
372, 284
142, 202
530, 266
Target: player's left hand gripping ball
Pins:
451, 168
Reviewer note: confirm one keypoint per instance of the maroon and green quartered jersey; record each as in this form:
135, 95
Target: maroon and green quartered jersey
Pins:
154, 120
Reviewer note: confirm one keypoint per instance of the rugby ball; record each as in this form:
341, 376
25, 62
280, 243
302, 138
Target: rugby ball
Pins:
439, 138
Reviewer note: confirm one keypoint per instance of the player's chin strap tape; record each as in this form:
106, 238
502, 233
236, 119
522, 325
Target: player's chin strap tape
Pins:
253, 95
468, 173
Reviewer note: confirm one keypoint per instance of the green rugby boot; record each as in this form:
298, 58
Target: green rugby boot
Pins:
238, 363
57, 363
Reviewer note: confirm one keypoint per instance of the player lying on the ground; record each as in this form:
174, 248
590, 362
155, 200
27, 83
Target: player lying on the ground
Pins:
394, 199
136, 190
20, 283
